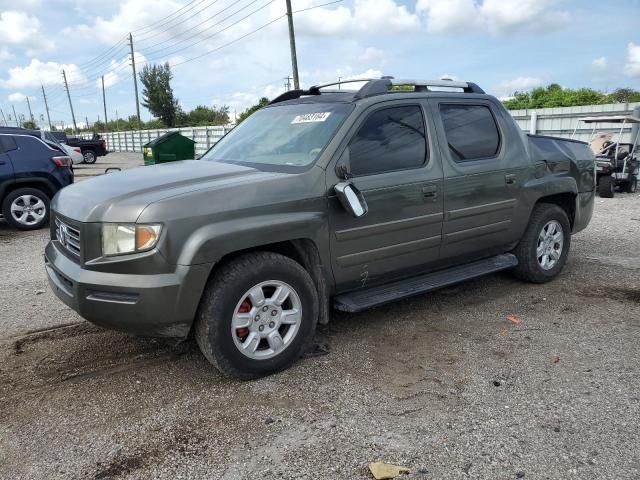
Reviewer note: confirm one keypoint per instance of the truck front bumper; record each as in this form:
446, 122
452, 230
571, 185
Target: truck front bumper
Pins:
160, 305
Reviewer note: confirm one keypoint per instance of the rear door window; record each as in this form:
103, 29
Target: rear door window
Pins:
471, 131
7, 143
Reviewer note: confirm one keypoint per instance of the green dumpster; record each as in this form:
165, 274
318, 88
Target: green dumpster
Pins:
169, 147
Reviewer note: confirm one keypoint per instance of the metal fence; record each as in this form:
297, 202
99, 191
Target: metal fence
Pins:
133, 141
559, 122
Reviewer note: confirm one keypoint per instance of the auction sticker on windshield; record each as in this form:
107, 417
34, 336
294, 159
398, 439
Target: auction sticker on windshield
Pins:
311, 117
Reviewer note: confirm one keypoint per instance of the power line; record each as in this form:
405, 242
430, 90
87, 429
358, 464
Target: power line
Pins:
173, 52
159, 32
171, 15
317, 6
231, 42
204, 21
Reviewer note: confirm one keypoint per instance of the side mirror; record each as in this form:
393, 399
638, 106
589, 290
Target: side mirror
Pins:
351, 199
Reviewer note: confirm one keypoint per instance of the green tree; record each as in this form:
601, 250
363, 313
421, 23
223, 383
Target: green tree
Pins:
555, 96
264, 101
157, 94
203, 115
30, 124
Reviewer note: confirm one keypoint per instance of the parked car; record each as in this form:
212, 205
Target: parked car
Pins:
32, 171
326, 197
74, 152
90, 149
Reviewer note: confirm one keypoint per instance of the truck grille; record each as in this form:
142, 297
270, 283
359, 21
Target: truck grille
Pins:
68, 237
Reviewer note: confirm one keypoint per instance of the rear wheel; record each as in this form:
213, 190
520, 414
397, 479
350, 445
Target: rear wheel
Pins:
606, 186
257, 315
543, 249
26, 208
89, 156
632, 184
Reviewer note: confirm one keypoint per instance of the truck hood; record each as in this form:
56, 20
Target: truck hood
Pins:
122, 196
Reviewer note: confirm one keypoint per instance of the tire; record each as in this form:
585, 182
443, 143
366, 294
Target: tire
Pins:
530, 266
632, 185
89, 156
606, 187
14, 211
225, 297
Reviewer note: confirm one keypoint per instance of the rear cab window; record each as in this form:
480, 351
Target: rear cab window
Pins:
471, 131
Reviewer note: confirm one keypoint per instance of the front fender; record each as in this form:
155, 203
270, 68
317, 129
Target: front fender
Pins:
210, 243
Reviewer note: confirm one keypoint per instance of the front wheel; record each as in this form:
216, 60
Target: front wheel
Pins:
256, 315
543, 249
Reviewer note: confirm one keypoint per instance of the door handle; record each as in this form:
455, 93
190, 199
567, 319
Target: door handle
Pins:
2, 162
510, 178
430, 191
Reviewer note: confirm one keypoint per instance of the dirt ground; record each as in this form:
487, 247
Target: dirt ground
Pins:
444, 384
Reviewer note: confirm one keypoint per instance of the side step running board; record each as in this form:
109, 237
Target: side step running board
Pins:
359, 300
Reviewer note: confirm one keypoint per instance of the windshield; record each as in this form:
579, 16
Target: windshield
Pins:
282, 138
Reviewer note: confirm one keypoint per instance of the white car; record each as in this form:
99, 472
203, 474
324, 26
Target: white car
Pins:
74, 152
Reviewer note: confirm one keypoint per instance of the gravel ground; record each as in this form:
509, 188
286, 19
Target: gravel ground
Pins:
443, 384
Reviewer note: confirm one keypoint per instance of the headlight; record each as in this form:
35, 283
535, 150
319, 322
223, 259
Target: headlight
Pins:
119, 239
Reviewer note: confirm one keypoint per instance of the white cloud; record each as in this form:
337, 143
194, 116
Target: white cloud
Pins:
498, 17
367, 16
5, 54
518, 84
372, 56
117, 68
599, 64
22, 30
132, 15
450, 16
632, 67
41, 73
17, 97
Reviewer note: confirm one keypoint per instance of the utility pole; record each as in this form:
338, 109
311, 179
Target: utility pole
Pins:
3, 118
30, 112
73, 115
46, 106
287, 83
292, 45
104, 104
15, 117
117, 122
135, 78
86, 122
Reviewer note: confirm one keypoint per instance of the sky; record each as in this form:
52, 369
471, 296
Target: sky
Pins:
232, 52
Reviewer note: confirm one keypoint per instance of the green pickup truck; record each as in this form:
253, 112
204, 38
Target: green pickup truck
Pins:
329, 197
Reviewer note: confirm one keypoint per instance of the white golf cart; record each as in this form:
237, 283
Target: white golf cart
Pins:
616, 162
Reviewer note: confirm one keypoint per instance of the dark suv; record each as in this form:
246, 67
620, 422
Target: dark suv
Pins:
32, 171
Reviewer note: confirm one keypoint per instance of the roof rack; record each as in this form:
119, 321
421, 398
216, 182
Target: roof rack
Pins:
379, 86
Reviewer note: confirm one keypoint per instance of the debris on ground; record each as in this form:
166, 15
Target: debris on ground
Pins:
514, 319
382, 471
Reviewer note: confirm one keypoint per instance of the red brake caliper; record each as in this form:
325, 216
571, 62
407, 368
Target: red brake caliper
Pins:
242, 332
